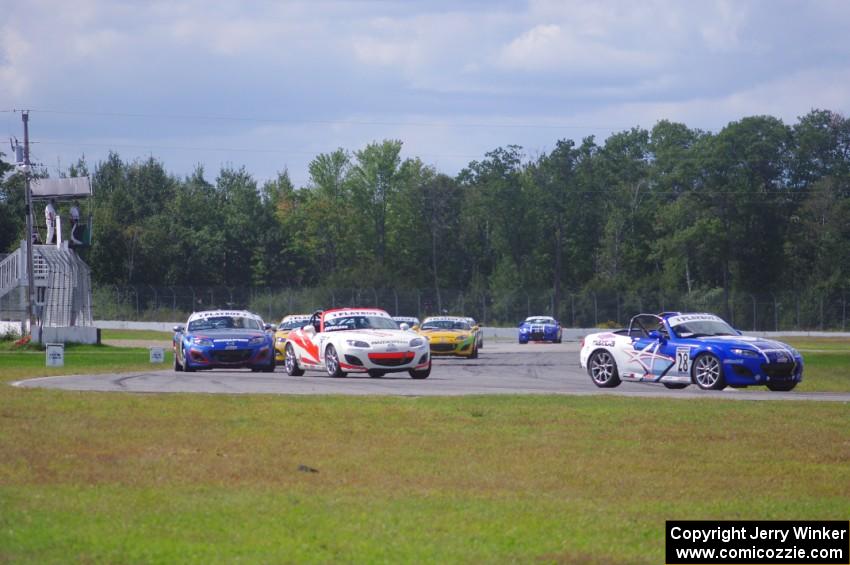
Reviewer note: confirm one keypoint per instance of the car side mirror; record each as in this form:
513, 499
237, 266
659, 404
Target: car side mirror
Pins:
476, 328
404, 326
655, 334
415, 328
309, 329
178, 329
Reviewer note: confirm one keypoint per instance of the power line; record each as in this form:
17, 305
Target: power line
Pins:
201, 117
216, 149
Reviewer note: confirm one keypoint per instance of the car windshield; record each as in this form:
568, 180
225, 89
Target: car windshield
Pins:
360, 323
292, 324
445, 325
224, 323
540, 321
703, 328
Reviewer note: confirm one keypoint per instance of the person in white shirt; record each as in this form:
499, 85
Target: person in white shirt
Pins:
75, 223
50, 218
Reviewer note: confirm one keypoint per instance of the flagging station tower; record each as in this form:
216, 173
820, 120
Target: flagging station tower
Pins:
45, 287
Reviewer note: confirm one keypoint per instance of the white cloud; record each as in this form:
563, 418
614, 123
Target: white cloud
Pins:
15, 50
550, 47
423, 72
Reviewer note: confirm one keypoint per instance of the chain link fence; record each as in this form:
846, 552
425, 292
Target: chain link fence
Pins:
787, 311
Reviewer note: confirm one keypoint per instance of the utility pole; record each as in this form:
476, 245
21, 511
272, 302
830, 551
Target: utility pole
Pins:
26, 168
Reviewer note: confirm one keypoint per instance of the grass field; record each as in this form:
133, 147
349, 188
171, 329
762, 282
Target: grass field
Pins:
135, 335
110, 477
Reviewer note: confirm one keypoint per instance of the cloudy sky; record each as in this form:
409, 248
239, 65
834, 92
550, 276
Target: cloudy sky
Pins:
269, 85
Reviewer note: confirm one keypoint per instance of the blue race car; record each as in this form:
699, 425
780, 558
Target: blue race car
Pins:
223, 339
677, 349
540, 328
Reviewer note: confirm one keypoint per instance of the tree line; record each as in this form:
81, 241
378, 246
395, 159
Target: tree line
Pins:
758, 206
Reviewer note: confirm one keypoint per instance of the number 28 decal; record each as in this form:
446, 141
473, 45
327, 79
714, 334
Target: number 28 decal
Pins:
683, 359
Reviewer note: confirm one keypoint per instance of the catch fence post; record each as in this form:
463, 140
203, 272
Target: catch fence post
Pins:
753, 296
595, 311
573, 308
775, 314
173, 302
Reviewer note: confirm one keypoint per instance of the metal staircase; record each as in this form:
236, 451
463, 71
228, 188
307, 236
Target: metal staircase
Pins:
62, 284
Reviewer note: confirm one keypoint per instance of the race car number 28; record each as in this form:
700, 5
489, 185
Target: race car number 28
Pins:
683, 359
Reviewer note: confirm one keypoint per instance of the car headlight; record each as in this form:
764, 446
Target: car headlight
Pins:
202, 341
461, 337
257, 340
417, 342
357, 343
524, 330
745, 352
281, 340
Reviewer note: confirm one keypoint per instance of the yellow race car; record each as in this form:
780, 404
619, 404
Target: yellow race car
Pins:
287, 324
450, 335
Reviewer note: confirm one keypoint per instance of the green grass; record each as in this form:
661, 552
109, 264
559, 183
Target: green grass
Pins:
165, 478
141, 478
79, 359
135, 335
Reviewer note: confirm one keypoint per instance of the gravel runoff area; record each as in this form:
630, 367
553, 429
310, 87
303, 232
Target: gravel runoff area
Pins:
501, 368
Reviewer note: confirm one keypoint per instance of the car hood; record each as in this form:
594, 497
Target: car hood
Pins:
746, 342
377, 337
446, 333
230, 334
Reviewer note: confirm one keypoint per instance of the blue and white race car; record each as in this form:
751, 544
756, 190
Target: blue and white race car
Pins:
223, 339
677, 349
540, 328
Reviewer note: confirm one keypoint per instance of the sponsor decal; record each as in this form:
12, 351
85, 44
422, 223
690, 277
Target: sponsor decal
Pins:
360, 312
219, 313
294, 318
681, 319
445, 319
604, 342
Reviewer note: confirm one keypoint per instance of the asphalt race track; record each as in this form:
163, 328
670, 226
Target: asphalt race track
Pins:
502, 368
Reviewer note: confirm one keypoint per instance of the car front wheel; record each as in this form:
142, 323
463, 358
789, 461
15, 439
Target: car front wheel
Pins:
421, 373
291, 363
332, 363
186, 367
707, 373
603, 369
177, 366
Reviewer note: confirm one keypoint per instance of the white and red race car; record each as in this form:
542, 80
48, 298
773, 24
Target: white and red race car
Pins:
356, 340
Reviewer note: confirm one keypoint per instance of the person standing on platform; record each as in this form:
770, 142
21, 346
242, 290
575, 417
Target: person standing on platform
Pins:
50, 218
75, 223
